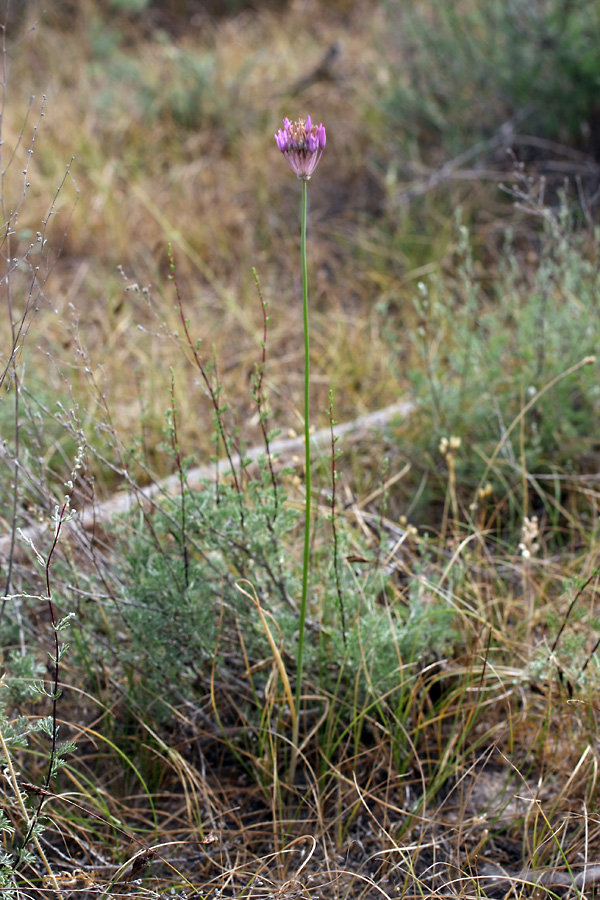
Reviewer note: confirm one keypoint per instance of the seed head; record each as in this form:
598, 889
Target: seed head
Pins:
302, 144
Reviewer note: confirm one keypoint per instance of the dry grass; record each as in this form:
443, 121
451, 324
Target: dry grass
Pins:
476, 773
218, 193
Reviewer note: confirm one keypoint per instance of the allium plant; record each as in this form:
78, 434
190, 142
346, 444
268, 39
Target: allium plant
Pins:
302, 144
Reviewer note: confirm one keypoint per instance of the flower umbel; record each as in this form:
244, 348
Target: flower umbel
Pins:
302, 144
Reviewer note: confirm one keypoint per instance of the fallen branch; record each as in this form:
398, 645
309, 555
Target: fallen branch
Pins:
92, 517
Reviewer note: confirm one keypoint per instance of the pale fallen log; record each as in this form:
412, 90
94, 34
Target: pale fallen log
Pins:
94, 516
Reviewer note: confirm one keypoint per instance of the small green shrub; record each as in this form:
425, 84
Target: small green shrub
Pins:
181, 619
184, 88
483, 353
26, 743
464, 71
181, 565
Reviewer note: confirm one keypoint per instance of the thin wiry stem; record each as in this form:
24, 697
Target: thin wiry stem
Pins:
306, 557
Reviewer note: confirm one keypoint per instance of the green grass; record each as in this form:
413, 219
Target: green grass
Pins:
447, 729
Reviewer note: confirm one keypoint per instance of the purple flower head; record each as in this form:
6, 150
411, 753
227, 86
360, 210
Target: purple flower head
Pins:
302, 144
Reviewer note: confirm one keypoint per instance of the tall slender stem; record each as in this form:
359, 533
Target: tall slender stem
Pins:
302, 144
306, 558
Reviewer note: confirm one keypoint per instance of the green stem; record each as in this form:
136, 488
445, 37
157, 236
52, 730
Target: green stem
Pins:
303, 601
